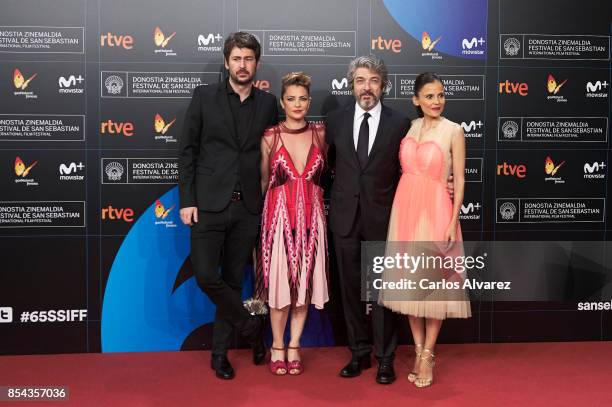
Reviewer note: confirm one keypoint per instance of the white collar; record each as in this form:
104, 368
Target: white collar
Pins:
374, 112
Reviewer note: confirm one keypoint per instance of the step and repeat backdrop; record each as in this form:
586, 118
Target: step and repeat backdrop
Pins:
92, 99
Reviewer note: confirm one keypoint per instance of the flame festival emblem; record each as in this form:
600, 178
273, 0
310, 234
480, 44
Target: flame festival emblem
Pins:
161, 128
161, 41
22, 171
512, 46
594, 170
21, 84
114, 171
428, 45
507, 210
161, 213
209, 43
551, 170
552, 85
553, 88
114, 84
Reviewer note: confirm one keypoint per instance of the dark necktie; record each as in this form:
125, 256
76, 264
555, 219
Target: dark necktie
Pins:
363, 140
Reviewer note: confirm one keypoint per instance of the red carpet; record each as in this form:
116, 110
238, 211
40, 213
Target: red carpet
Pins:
535, 374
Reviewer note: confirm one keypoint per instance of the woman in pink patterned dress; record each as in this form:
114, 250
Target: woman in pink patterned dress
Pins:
292, 266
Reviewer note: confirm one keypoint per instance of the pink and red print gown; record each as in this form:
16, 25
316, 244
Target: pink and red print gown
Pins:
421, 212
292, 266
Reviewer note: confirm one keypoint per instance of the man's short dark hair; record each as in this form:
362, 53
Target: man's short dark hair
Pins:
241, 39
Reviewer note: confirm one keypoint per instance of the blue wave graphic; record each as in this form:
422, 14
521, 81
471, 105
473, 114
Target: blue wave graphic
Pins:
141, 313
453, 20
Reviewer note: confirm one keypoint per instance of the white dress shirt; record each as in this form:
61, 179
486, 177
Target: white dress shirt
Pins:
372, 123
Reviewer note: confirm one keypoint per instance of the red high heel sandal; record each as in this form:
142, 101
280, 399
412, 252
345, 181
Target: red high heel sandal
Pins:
295, 367
277, 367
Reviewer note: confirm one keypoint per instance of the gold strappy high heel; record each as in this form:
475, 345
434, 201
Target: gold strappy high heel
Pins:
427, 357
412, 376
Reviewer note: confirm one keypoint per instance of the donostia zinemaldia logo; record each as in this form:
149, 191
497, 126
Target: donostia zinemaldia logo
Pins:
507, 210
114, 171
388, 87
512, 46
510, 128
114, 84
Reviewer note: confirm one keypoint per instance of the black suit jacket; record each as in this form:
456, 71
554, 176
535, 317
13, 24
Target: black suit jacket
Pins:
370, 190
212, 158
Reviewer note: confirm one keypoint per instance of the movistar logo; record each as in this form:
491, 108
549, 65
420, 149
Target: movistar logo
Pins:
209, 39
469, 208
471, 126
473, 46
596, 87
336, 84
591, 168
474, 42
73, 167
71, 81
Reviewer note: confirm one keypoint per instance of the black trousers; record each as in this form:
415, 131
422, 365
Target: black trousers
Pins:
384, 321
224, 239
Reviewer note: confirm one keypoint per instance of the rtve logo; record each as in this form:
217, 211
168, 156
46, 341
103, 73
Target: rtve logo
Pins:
111, 127
516, 170
111, 40
393, 45
465, 44
514, 87
124, 214
262, 85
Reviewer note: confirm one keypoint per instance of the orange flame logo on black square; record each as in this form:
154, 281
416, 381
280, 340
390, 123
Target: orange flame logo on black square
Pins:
160, 39
21, 170
20, 81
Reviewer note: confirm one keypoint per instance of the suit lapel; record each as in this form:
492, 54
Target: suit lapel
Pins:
347, 133
223, 103
382, 136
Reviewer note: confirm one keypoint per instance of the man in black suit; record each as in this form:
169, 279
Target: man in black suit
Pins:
220, 190
366, 137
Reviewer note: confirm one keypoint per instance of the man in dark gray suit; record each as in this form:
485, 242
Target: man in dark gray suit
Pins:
366, 137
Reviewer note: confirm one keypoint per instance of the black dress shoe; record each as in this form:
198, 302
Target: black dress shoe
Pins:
385, 374
355, 366
222, 367
259, 353
253, 333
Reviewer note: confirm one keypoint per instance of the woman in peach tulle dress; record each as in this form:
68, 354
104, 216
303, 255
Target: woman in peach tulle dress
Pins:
424, 215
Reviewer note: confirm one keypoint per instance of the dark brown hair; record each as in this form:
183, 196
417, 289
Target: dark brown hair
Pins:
297, 79
241, 39
422, 80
